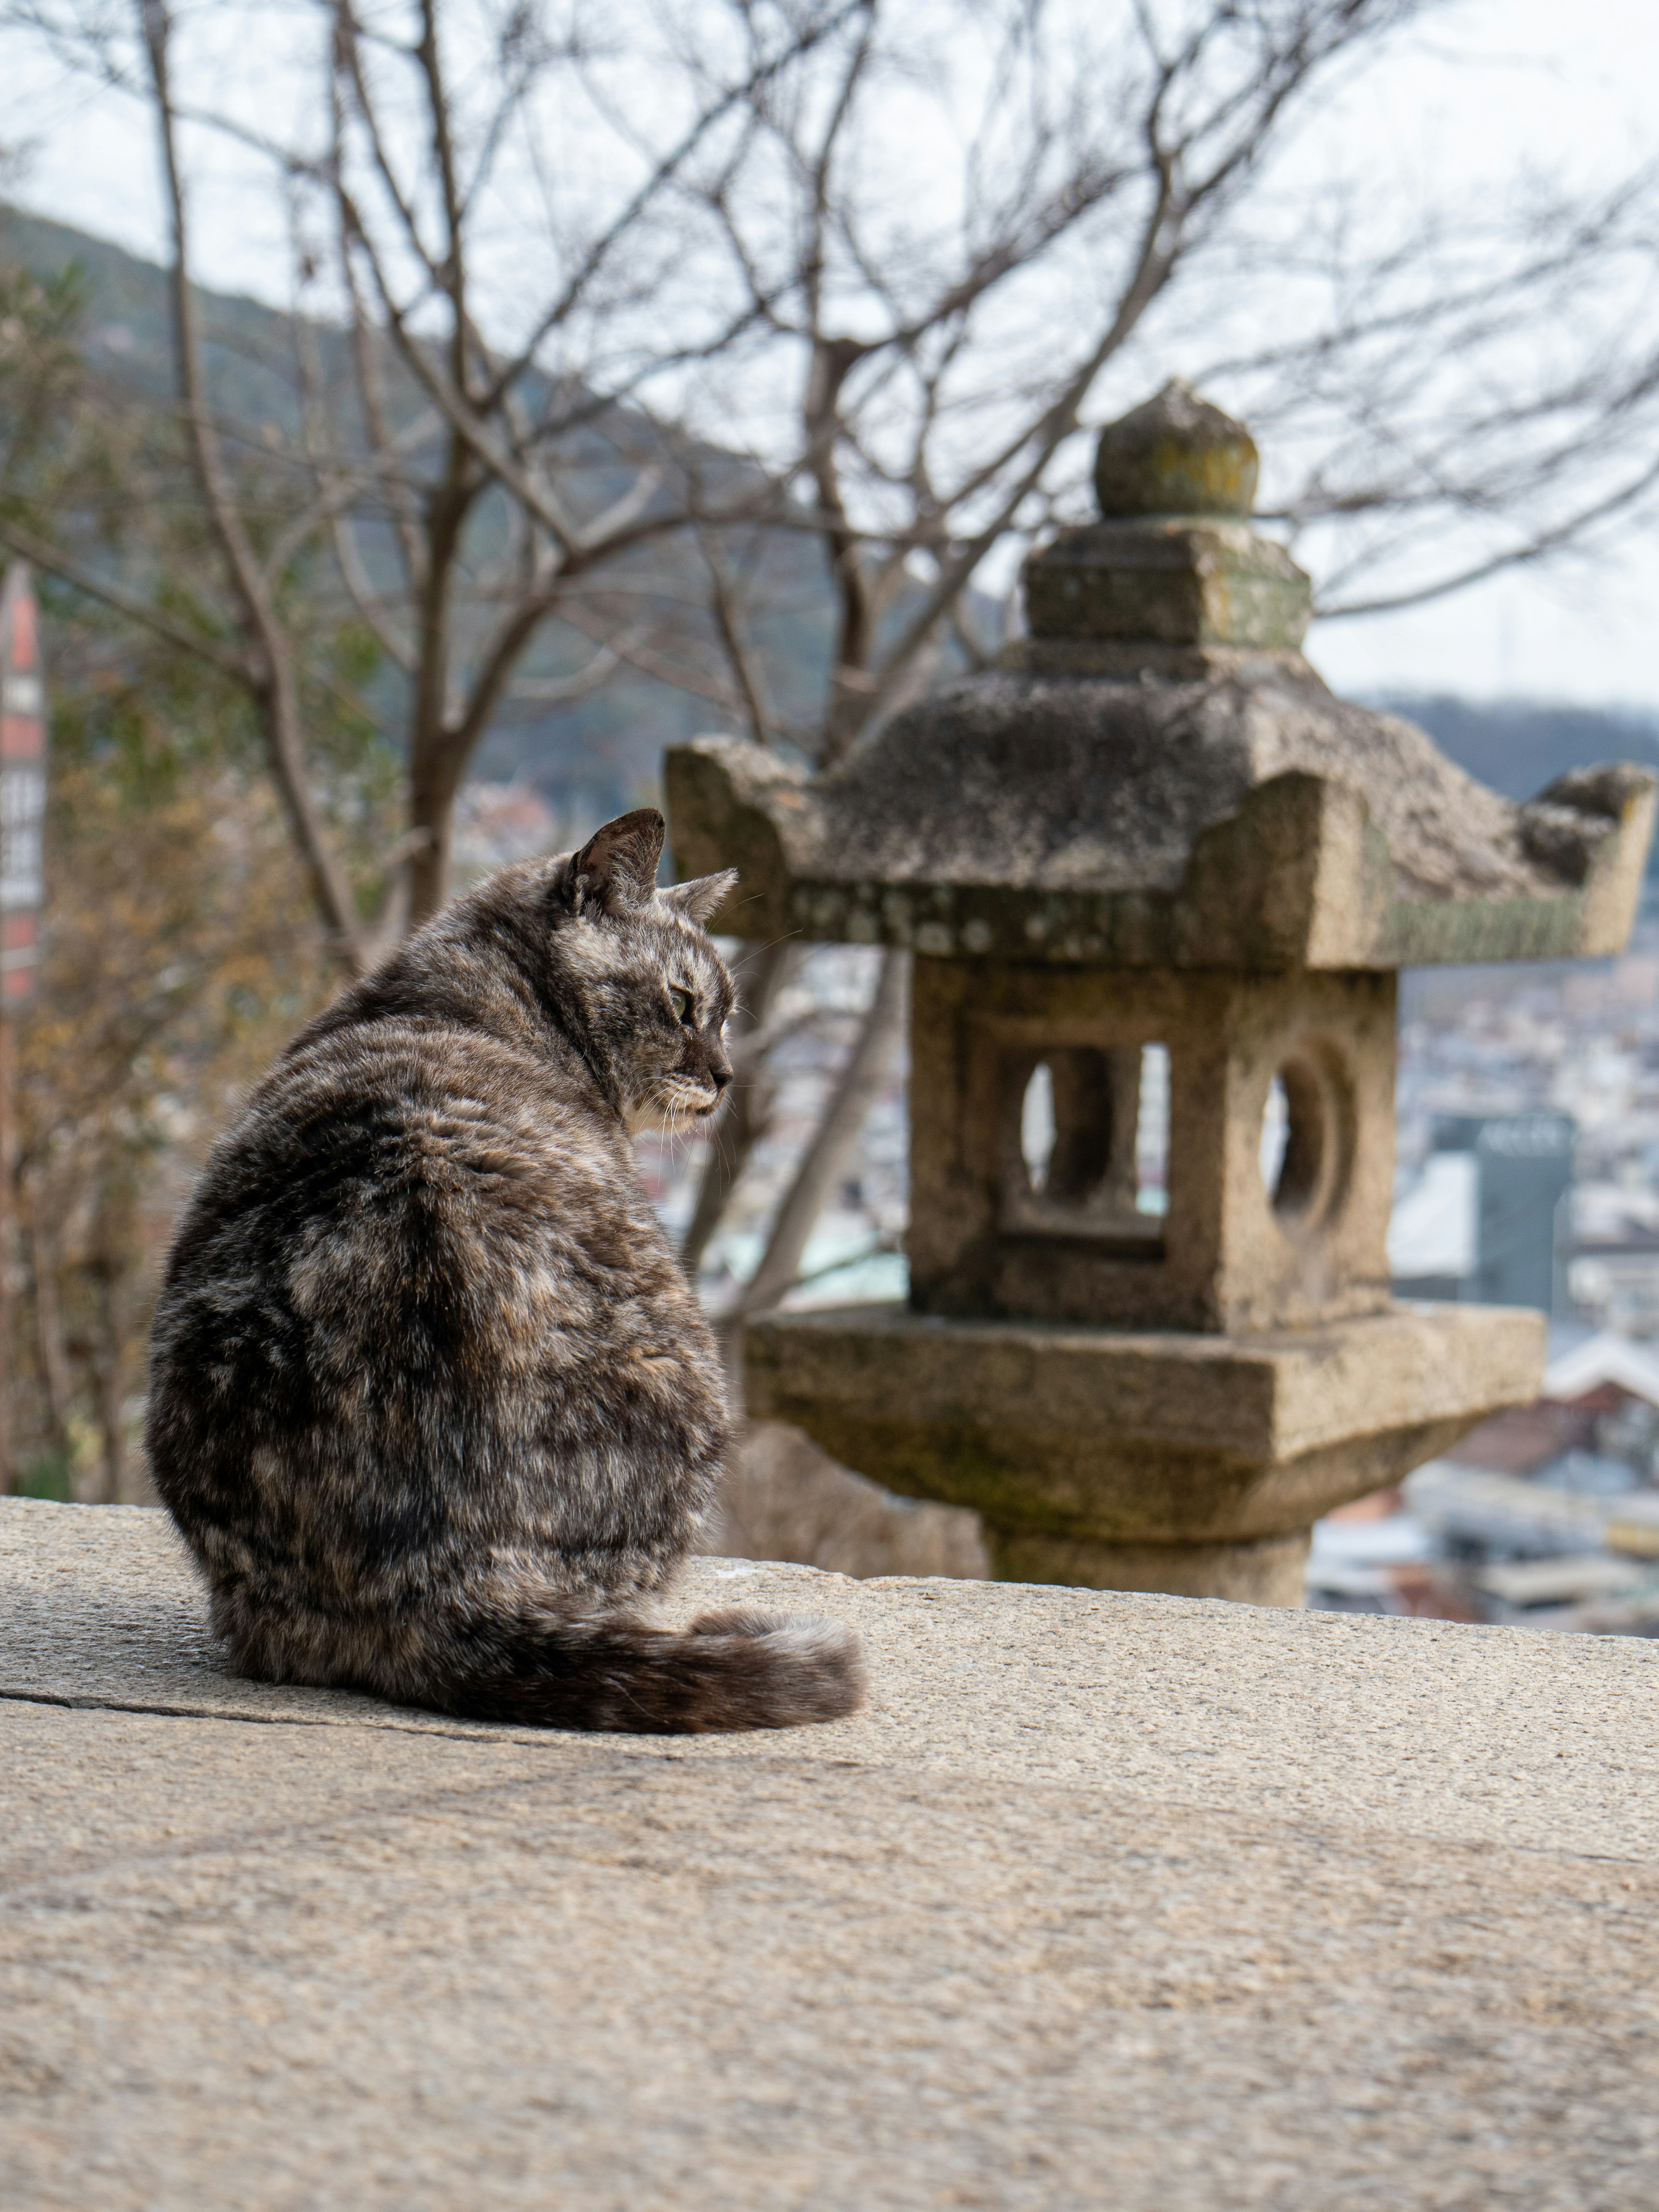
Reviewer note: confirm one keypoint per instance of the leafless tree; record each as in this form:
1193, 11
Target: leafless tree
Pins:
855, 277
462, 492
955, 303
1462, 394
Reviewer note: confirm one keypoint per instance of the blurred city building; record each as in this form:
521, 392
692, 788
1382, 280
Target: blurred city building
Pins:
1484, 1219
1547, 1515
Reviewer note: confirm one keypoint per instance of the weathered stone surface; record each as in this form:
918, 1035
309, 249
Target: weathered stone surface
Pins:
1253, 1571
1182, 579
1229, 1254
1076, 1445
1176, 453
1139, 1902
1102, 818
1129, 789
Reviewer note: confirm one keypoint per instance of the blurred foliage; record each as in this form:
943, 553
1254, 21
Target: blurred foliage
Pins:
93, 458
180, 952
181, 947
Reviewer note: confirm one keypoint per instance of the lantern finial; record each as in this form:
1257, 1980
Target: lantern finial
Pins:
1175, 454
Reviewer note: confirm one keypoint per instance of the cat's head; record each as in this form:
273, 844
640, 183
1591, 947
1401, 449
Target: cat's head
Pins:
653, 993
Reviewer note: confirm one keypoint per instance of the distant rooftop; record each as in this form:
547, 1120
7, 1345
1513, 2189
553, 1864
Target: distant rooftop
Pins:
1607, 1357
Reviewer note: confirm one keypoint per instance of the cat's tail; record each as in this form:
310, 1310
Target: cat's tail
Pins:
734, 1669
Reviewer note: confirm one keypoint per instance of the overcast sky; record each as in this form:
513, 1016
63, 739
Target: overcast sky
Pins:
1525, 81
1502, 81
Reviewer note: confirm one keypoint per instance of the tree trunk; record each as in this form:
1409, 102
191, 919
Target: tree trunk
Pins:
108, 1364
434, 783
843, 1121
760, 975
435, 762
52, 1351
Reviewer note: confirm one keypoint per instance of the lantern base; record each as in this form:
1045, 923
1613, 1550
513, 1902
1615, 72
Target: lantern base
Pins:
1151, 1460
1269, 1570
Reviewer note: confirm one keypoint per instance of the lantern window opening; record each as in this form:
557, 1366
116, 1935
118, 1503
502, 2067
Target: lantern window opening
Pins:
1069, 1118
1305, 1140
1037, 1126
1152, 1132
1087, 1152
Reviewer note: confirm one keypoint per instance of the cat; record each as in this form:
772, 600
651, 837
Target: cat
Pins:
430, 1399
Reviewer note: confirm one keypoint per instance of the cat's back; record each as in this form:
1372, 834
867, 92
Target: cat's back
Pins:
430, 1399
409, 1192
368, 1120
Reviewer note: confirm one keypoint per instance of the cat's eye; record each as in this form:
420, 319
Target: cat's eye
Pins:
681, 1002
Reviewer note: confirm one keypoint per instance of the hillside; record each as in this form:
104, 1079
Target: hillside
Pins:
601, 753
1518, 746
592, 755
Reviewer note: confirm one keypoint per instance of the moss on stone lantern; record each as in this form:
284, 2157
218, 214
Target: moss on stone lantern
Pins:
1158, 881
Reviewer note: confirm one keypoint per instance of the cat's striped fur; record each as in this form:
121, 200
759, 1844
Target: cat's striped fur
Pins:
430, 1399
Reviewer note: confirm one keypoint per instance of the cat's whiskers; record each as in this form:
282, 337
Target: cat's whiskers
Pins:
683, 1104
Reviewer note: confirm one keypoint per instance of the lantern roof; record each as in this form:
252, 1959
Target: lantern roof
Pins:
1156, 776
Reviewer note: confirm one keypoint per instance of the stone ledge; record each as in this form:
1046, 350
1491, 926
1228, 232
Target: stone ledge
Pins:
1272, 1395
1138, 1900
1063, 1436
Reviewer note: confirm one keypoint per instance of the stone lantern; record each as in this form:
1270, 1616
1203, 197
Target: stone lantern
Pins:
1153, 867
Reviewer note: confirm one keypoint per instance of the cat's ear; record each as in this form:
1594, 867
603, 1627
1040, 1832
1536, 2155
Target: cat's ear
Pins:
697, 900
617, 869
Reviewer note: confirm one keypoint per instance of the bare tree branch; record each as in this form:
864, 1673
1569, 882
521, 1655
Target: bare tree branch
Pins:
275, 684
855, 1091
229, 660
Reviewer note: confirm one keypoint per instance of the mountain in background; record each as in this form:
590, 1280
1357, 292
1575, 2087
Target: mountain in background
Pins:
1518, 746
602, 753
591, 757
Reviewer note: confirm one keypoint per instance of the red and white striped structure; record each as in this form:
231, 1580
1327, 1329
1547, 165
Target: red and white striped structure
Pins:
23, 788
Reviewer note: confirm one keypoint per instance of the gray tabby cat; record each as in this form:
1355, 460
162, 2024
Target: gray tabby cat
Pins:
429, 1398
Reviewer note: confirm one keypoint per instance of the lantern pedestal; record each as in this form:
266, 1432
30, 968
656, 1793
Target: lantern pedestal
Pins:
1194, 1463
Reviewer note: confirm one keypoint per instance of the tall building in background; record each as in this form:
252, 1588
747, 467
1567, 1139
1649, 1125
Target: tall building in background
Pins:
1486, 1221
22, 789
23, 820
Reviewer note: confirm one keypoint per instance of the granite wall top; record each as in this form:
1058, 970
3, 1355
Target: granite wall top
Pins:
1105, 1900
